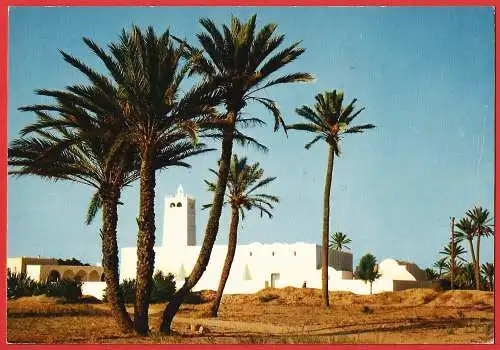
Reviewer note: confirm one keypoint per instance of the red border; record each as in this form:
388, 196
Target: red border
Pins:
3, 170
250, 3
3, 140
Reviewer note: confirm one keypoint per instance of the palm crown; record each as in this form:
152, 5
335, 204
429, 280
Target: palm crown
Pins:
243, 182
465, 229
329, 119
80, 144
238, 63
339, 240
481, 221
458, 250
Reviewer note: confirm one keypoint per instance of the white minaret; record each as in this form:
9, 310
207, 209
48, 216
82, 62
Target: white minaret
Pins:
179, 227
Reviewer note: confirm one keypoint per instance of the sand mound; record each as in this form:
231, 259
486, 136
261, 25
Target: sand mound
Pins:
36, 299
408, 297
463, 298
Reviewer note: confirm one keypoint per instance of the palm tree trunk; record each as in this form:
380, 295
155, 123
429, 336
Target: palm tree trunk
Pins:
326, 228
452, 254
145, 244
477, 266
110, 260
371, 284
473, 260
210, 231
231, 250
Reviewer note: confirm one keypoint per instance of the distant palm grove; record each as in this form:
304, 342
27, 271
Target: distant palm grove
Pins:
453, 268
132, 119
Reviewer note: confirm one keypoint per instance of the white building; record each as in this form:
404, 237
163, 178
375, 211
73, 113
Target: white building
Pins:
258, 265
48, 269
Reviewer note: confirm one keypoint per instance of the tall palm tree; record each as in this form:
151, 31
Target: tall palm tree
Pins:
338, 240
80, 145
458, 252
147, 70
488, 270
243, 182
482, 227
440, 265
466, 231
329, 121
236, 62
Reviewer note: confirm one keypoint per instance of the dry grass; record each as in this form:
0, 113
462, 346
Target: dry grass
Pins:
50, 307
288, 315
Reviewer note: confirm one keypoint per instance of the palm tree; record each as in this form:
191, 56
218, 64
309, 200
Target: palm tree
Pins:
367, 269
237, 63
482, 227
466, 231
488, 271
146, 69
329, 121
430, 274
81, 145
440, 265
243, 181
458, 252
338, 240
467, 271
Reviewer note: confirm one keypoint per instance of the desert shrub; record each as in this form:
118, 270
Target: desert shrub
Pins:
268, 297
194, 298
68, 289
128, 290
163, 287
366, 310
39, 288
162, 290
19, 285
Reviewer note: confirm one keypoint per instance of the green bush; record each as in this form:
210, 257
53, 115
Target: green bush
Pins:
128, 289
193, 298
19, 285
71, 290
163, 287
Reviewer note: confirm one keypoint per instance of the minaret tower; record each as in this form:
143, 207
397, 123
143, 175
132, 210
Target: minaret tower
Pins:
179, 227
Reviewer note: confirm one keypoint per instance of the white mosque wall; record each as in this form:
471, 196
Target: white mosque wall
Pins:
33, 271
95, 289
390, 268
256, 265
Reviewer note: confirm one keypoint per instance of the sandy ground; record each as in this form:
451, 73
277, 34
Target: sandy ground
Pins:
275, 316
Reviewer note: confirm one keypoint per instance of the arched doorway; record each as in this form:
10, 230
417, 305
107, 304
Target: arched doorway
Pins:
81, 276
68, 274
54, 276
94, 276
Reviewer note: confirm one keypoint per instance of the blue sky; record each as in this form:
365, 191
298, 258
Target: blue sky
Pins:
425, 76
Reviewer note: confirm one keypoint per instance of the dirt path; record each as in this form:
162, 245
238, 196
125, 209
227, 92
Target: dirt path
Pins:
244, 327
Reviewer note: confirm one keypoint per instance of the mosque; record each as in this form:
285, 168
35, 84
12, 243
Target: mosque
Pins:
258, 265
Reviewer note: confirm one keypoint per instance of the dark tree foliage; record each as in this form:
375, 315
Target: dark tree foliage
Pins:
71, 262
162, 290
